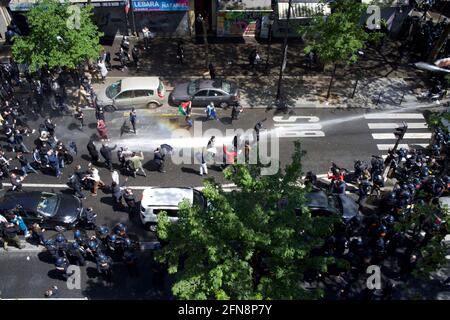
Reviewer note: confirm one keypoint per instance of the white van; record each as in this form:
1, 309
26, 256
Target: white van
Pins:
157, 199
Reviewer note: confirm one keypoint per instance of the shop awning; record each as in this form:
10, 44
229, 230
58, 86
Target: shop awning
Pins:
25, 5
302, 10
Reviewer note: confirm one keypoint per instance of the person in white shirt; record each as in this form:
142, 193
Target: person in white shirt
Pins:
103, 70
95, 177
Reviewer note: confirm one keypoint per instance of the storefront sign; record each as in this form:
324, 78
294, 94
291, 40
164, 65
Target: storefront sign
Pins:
161, 5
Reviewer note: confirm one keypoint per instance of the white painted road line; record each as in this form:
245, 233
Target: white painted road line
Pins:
385, 156
294, 126
393, 125
385, 147
411, 135
383, 116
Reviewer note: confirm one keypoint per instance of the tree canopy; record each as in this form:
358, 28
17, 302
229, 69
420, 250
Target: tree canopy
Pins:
338, 37
253, 243
61, 35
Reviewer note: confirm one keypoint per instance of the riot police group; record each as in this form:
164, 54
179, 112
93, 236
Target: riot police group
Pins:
422, 177
102, 249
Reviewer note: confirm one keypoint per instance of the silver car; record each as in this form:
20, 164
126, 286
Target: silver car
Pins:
137, 92
201, 92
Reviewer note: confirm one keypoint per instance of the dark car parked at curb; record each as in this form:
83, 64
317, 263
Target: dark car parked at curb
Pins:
50, 210
202, 92
321, 204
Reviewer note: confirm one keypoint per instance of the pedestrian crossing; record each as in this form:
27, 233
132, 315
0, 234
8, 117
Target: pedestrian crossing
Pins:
382, 126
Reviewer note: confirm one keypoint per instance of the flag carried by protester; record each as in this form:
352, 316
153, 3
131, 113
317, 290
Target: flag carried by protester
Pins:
182, 108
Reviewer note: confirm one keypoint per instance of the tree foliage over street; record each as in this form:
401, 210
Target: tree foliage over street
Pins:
60, 36
247, 244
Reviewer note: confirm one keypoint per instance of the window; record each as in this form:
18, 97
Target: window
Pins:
170, 213
214, 93
125, 95
47, 204
143, 93
202, 93
193, 87
113, 89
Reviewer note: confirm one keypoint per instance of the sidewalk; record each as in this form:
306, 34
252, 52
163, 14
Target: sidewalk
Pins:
386, 81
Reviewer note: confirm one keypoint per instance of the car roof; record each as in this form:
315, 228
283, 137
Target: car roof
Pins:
139, 83
166, 197
317, 199
444, 201
27, 199
212, 84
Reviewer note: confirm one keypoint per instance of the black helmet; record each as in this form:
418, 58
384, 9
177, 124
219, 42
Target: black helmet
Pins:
92, 244
75, 245
102, 258
77, 234
60, 262
119, 228
49, 242
103, 230
60, 238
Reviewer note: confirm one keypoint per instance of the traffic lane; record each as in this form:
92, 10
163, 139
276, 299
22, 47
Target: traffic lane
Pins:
102, 205
342, 143
29, 275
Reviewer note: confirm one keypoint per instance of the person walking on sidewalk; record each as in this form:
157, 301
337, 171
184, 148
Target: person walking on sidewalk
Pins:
136, 55
133, 117
253, 58
147, 35
103, 70
105, 151
123, 58
180, 52
212, 71
106, 58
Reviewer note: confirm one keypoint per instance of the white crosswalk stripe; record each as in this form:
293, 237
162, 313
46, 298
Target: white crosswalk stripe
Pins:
393, 125
382, 126
383, 116
298, 127
387, 146
391, 136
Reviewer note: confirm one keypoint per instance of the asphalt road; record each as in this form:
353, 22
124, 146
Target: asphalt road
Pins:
327, 135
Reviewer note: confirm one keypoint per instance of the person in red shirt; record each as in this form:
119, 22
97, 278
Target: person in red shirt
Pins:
102, 130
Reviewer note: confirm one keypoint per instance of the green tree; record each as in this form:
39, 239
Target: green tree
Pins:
252, 243
61, 35
338, 37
